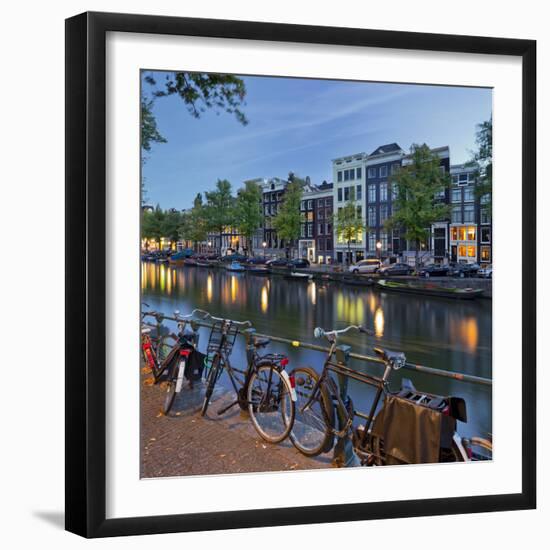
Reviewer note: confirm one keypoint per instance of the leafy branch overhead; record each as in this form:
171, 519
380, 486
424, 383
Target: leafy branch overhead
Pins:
199, 92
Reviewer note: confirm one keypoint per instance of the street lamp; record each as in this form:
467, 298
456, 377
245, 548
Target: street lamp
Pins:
379, 248
264, 244
209, 246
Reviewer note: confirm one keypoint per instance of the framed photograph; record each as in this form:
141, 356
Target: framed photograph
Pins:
300, 274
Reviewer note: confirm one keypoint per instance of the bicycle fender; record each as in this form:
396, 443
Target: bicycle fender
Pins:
293, 396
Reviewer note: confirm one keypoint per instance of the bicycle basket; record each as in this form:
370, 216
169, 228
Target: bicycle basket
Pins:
216, 336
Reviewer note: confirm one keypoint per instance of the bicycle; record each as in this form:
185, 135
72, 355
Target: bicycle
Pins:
155, 348
267, 390
183, 361
318, 397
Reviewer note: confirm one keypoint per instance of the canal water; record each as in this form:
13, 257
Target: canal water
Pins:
440, 333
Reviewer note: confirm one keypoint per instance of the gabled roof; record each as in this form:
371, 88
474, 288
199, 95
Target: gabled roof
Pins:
385, 149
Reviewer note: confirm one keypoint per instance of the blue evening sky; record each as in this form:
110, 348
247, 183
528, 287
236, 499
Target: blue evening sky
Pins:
300, 125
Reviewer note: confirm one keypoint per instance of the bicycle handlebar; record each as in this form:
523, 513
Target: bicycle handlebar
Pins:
320, 332
207, 315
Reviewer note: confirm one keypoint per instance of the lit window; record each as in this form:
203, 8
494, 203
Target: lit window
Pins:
485, 253
471, 251
471, 236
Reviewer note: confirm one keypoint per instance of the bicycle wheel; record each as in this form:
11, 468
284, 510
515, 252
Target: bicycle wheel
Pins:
211, 379
270, 403
170, 394
312, 431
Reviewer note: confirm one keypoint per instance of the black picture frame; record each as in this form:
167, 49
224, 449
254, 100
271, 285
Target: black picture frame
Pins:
86, 273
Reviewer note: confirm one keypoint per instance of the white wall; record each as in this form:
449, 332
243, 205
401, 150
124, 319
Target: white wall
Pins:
32, 104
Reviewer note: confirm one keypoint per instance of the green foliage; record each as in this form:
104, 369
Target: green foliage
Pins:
170, 225
149, 131
219, 212
193, 223
483, 159
248, 216
198, 91
287, 221
348, 223
414, 207
152, 224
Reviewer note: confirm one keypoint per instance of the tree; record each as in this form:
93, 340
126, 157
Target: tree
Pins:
415, 206
348, 221
287, 221
199, 91
219, 210
149, 131
170, 225
151, 224
483, 160
193, 224
248, 216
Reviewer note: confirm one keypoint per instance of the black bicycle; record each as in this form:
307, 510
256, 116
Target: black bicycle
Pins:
318, 398
264, 388
184, 360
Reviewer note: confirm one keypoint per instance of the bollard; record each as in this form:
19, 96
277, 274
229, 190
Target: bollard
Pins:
344, 454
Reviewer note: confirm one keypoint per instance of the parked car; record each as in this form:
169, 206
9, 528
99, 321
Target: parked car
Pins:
433, 270
370, 265
299, 263
395, 269
463, 270
486, 272
277, 262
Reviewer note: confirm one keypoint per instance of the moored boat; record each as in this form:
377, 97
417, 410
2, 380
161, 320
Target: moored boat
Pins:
235, 266
202, 263
304, 277
258, 270
430, 290
190, 262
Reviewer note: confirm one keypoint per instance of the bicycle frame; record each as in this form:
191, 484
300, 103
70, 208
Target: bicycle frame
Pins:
380, 383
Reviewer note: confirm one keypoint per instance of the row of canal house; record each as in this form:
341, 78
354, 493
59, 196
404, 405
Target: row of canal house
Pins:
465, 236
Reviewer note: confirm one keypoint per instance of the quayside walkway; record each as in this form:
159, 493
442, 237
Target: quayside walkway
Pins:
185, 443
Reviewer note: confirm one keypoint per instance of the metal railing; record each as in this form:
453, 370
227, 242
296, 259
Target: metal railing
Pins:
463, 377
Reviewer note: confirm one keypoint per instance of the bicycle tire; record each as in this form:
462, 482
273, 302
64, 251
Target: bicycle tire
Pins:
271, 413
211, 380
312, 432
170, 394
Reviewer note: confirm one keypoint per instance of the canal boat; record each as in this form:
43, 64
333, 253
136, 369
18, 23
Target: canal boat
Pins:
234, 266
304, 277
430, 290
190, 262
203, 263
258, 270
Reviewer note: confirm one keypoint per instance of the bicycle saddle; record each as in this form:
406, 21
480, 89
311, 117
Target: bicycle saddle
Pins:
260, 342
396, 358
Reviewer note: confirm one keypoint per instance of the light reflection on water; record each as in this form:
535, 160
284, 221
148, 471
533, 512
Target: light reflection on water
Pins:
445, 334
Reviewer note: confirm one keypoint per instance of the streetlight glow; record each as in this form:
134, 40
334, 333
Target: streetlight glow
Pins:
379, 245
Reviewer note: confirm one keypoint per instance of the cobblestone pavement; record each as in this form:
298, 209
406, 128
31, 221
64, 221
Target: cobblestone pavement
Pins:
184, 443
